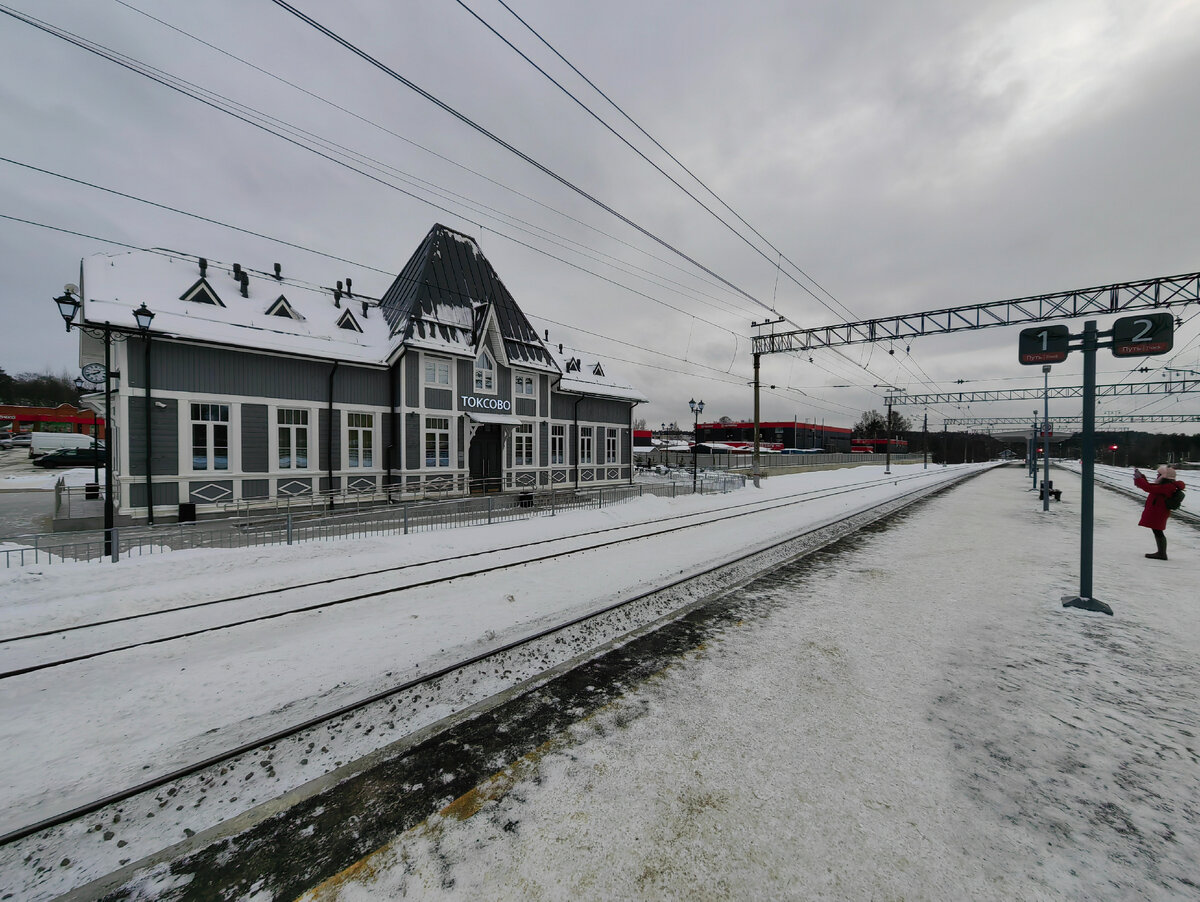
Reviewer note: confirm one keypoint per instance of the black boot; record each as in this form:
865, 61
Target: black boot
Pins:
1160, 539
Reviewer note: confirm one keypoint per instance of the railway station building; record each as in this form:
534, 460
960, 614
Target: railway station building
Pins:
251, 388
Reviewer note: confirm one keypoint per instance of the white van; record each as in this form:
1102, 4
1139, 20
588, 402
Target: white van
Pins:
45, 442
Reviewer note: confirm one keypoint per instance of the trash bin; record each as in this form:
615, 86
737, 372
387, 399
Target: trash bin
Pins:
187, 513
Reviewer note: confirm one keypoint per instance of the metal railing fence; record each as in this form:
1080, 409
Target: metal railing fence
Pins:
295, 524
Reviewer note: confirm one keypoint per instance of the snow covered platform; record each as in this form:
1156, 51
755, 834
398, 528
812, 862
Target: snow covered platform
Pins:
909, 715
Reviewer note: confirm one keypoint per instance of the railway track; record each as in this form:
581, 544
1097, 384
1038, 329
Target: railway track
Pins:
43, 649
251, 776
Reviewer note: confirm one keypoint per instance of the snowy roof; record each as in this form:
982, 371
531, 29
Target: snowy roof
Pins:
586, 376
443, 297
211, 307
447, 299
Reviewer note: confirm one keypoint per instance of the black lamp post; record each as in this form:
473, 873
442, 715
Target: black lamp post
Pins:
697, 409
143, 317
69, 305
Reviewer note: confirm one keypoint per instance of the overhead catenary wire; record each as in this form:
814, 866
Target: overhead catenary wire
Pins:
538, 250
104, 53
421, 147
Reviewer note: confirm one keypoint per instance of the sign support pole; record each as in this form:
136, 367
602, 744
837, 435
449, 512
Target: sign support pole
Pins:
1084, 599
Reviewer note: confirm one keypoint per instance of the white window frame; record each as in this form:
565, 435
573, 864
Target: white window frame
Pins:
360, 431
525, 385
524, 454
210, 429
586, 445
484, 381
612, 448
558, 445
436, 367
292, 428
438, 428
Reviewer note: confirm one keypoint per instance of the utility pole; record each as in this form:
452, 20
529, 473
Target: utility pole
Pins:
1046, 440
925, 442
756, 469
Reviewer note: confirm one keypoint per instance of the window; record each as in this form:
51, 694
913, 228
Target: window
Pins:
437, 371
557, 444
585, 444
610, 447
437, 441
210, 436
526, 386
523, 445
347, 321
485, 372
293, 439
360, 439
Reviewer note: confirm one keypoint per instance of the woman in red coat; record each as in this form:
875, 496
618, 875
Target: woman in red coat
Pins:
1155, 514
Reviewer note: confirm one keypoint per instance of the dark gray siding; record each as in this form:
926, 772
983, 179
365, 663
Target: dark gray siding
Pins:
256, 488
177, 366
389, 459
591, 410
526, 407
213, 491
255, 440
164, 445
543, 457
544, 396
412, 443
164, 493
412, 380
439, 399
466, 376
330, 440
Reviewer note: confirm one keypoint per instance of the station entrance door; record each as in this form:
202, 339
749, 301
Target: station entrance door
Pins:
484, 458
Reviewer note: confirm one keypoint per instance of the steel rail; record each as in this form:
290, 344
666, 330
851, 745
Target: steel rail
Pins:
187, 770
755, 507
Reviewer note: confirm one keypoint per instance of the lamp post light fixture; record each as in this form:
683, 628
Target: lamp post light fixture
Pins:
697, 409
68, 306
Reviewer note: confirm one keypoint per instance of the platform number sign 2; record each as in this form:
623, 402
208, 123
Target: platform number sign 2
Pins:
1044, 344
1142, 336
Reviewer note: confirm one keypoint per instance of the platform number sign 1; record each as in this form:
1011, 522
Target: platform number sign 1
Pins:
1142, 336
1044, 344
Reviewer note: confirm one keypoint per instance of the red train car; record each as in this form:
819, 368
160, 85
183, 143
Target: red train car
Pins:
877, 446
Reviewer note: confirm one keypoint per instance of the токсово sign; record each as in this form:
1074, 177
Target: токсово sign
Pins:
485, 403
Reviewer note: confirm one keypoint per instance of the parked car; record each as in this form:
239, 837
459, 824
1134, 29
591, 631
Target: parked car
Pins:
72, 457
19, 440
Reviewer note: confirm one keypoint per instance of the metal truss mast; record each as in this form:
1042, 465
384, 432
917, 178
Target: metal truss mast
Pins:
1174, 386
1100, 418
1144, 295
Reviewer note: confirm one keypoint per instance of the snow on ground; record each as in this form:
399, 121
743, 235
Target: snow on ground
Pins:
916, 718
72, 733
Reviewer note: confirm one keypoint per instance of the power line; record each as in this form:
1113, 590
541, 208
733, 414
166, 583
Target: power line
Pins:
168, 81
367, 121
471, 123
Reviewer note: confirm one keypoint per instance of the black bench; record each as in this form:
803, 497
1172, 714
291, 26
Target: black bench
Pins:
1056, 494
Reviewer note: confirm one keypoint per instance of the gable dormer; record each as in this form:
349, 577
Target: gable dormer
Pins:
347, 321
573, 365
202, 293
281, 307
598, 370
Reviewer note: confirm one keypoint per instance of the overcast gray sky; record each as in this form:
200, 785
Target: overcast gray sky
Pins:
907, 156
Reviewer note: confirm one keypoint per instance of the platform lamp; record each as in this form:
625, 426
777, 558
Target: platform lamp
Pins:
697, 409
68, 306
